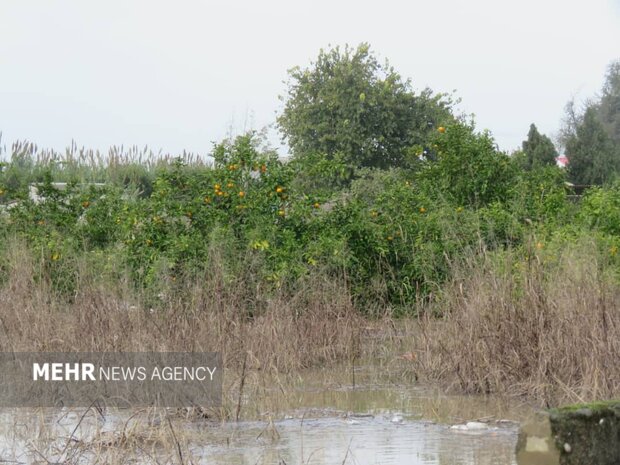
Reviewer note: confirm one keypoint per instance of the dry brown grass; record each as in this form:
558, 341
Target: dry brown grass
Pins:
53, 436
275, 330
547, 328
272, 333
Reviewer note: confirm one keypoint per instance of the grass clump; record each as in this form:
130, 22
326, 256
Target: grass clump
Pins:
543, 325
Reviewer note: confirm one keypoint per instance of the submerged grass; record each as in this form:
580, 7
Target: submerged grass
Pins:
543, 327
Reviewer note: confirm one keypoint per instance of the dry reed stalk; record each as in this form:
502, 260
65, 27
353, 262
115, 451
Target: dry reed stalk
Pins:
279, 330
551, 332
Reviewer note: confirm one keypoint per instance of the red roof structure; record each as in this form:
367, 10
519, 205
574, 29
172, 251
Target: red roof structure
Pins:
562, 161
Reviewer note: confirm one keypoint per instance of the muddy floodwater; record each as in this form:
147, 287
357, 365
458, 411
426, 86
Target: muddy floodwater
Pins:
316, 417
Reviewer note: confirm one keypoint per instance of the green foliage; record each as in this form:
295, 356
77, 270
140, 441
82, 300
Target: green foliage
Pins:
592, 137
394, 234
350, 106
320, 175
601, 209
539, 195
538, 150
466, 167
609, 106
377, 195
593, 158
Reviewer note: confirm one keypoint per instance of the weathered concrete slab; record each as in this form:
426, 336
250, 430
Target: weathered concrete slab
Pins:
587, 433
584, 434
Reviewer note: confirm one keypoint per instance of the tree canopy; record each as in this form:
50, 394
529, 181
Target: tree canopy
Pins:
592, 137
593, 158
609, 106
538, 149
347, 104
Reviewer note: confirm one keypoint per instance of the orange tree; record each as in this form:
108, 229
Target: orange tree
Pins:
245, 202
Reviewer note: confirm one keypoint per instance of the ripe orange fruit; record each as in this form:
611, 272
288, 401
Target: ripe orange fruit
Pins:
441, 129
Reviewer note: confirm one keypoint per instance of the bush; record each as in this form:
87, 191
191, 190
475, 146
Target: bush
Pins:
393, 235
601, 209
466, 168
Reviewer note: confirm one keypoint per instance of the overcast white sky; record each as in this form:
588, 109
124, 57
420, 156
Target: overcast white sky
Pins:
176, 75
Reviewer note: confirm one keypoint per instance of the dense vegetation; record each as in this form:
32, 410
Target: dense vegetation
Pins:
386, 190
592, 136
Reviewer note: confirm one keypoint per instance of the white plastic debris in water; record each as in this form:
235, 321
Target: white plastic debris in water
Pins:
471, 426
397, 418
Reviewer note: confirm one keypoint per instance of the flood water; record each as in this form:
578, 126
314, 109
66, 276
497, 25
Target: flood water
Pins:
316, 418
372, 440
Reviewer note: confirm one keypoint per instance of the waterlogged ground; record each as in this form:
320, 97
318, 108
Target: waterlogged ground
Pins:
315, 418
373, 440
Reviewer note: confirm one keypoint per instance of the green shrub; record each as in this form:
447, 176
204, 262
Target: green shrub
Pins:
393, 235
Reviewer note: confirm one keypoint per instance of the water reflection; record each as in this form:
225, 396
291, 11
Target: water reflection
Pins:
361, 441
317, 418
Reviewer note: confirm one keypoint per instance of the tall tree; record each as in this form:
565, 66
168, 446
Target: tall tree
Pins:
593, 158
538, 149
609, 106
592, 137
348, 105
